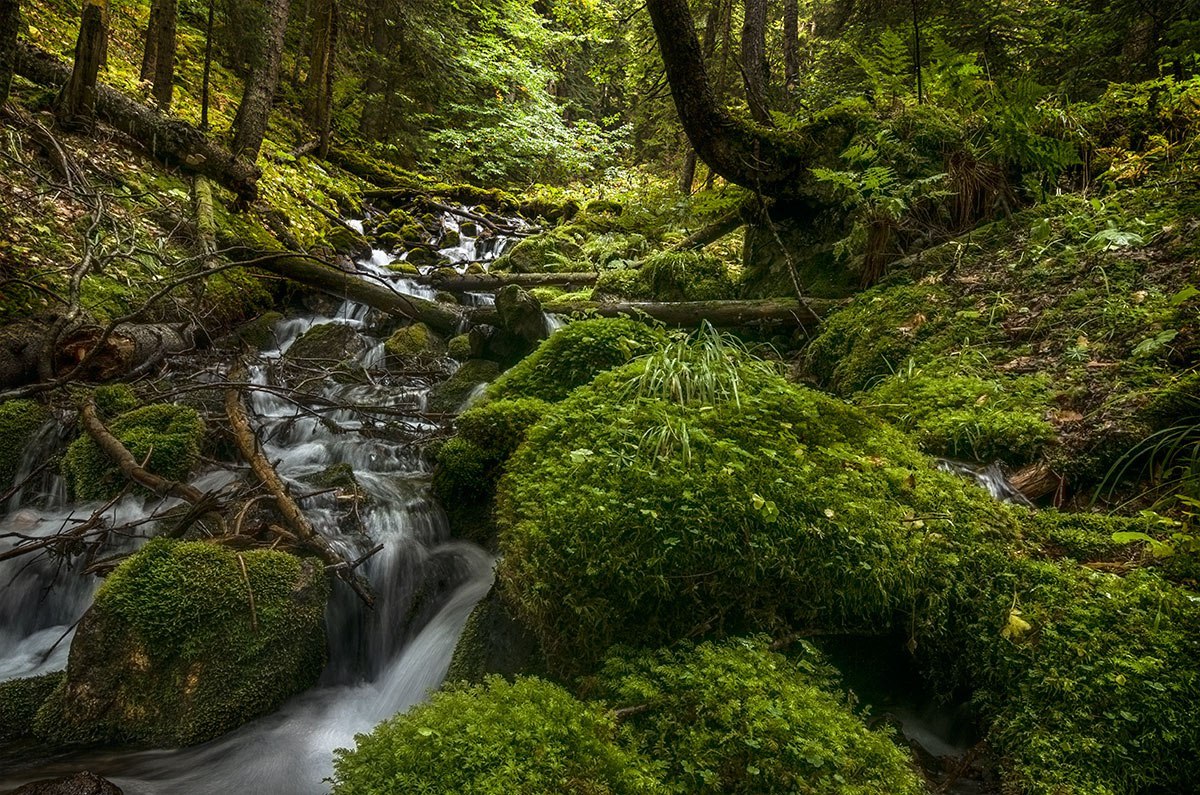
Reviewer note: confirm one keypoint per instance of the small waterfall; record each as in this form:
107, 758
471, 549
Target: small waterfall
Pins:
553, 322
991, 477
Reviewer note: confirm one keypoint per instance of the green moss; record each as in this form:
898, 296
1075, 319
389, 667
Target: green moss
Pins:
187, 640
496, 738
19, 421
325, 343
574, 356
736, 718
640, 507
460, 347
115, 399
687, 276
967, 417
494, 642
469, 465
165, 436
20, 699
414, 342
258, 334
1085, 537
556, 250
449, 395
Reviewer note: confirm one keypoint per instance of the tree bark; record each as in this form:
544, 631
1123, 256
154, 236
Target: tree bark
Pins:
76, 102
319, 102
743, 154
171, 141
791, 44
755, 69
10, 23
250, 124
158, 58
770, 311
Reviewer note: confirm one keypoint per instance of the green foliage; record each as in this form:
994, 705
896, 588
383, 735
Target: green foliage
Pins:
448, 396
672, 276
573, 356
530, 737
736, 718
19, 421
165, 436
187, 640
414, 342
556, 250
640, 519
964, 416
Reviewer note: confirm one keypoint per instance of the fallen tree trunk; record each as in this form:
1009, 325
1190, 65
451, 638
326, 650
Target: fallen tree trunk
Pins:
767, 311
171, 141
247, 444
128, 348
1036, 481
474, 282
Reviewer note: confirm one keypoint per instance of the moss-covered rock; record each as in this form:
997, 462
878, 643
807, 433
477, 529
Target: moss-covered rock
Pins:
574, 355
449, 395
325, 344
345, 240
460, 347
967, 417
469, 465
416, 341
186, 641
494, 642
257, 334
20, 699
521, 314
686, 276
737, 718
19, 421
166, 436
496, 738
556, 250
641, 506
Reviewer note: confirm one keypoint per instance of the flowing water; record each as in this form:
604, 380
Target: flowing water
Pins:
381, 661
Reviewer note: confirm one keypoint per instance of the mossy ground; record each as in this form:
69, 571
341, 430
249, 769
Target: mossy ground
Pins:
174, 651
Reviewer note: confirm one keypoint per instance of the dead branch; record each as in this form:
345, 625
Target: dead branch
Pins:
298, 524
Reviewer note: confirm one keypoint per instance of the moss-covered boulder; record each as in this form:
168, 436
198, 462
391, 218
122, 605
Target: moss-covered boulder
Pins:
521, 314
556, 250
461, 347
325, 344
345, 240
529, 737
469, 465
166, 436
19, 421
449, 395
416, 341
186, 641
257, 334
734, 717
20, 699
640, 507
494, 642
574, 355
672, 276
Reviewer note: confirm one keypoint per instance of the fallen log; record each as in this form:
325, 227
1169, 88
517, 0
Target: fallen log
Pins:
171, 141
476, 282
298, 524
766, 311
128, 348
1036, 481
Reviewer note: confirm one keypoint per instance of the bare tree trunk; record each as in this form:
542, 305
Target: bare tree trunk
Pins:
791, 43
158, 58
688, 174
208, 42
77, 101
755, 69
10, 22
712, 22
250, 125
319, 102
369, 123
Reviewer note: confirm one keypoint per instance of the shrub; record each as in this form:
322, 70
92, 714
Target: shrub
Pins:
736, 718
573, 356
529, 737
165, 436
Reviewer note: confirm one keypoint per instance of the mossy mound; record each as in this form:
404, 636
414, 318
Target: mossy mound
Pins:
672, 276
968, 417
324, 344
20, 699
449, 395
256, 335
165, 436
638, 509
494, 642
496, 738
414, 342
736, 718
460, 347
186, 641
469, 465
556, 250
19, 421
573, 356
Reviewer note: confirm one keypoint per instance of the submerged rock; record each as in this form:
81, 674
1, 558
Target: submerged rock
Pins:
84, 783
186, 641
